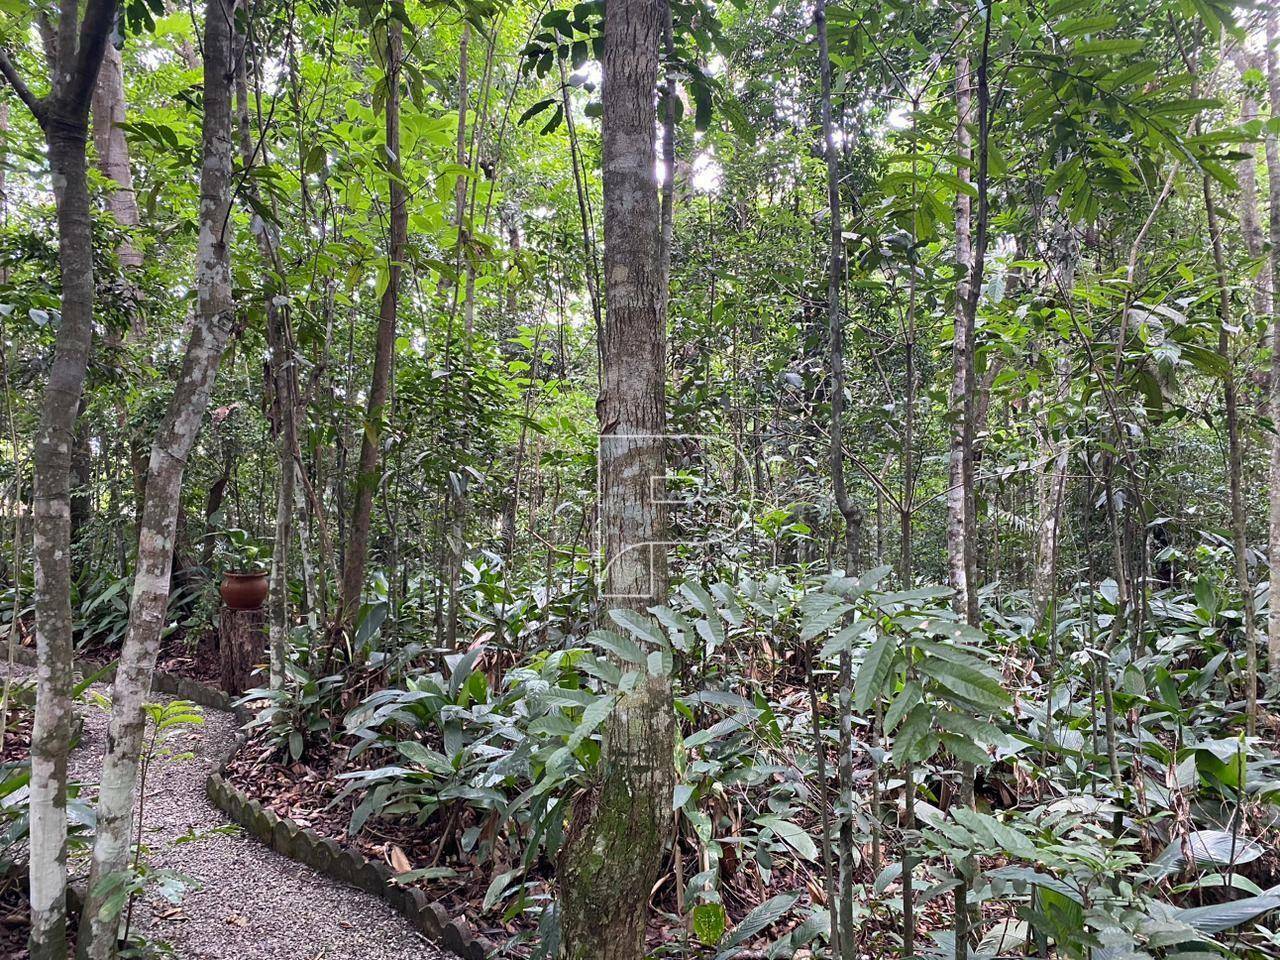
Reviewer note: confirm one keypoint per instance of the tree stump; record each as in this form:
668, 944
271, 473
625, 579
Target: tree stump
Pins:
242, 638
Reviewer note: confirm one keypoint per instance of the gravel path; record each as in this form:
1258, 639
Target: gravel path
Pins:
247, 902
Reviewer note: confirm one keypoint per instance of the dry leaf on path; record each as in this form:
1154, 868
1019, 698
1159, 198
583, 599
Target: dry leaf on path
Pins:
399, 862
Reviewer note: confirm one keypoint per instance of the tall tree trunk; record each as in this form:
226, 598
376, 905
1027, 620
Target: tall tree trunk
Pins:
618, 830
158, 530
1235, 458
284, 383
1247, 175
958, 552
51, 459
4, 180
458, 480
667, 213
962, 525
850, 510
1051, 482
1062, 253
109, 115
384, 348
460, 157
1273, 181
113, 151
64, 117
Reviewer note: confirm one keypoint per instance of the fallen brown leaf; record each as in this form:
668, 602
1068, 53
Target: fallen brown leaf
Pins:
399, 862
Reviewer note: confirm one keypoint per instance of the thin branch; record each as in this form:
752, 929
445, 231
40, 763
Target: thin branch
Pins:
11, 74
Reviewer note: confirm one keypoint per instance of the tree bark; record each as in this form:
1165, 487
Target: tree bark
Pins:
64, 117
113, 151
1235, 456
617, 831
1051, 482
384, 348
850, 509
962, 518
667, 213
242, 641
109, 114
1247, 175
285, 390
1272, 148
460, 157
957, 483
51, 459
170, 449
1062, 253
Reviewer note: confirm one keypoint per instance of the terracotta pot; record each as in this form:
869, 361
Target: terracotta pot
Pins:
244, 591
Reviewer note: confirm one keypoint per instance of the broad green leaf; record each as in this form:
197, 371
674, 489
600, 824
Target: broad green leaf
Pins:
792, 834
624, 648
709, 922
967, 683
639, 626
874, 671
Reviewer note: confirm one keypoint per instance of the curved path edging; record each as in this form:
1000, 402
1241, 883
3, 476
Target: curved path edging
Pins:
303, 844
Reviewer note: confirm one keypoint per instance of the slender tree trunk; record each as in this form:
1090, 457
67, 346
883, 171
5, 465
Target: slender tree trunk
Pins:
960, 482
668, 205
1247, 175
618, 829
64, 117
4, 180
1272, 149
158, 530
384, 349
109, 115
957, 483
284, 382
1235, 458
1051, 481
460, 157
1062, 251
51, 510
849, 508
455, 500
962, 503
113, 151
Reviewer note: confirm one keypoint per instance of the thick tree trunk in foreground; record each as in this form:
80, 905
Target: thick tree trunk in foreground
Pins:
64, 118
51, 736
1273, 178
617, 831
158, 530
384, 349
